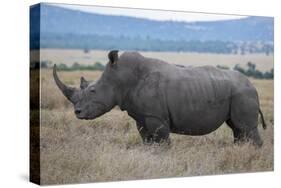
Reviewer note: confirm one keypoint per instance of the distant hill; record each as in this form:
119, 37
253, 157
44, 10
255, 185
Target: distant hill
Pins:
65, 28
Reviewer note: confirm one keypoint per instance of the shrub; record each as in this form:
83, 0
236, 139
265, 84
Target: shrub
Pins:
253, 72
77, 66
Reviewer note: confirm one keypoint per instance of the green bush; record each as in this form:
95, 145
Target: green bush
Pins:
253, 72
77, 66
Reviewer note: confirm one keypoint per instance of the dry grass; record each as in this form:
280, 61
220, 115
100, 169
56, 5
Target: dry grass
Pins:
109, 148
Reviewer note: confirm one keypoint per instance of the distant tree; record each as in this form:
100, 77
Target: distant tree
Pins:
235, 50
267, 50
251, 50
76, 66
269, 74
99, 66
86, 50
251, 66
243, 50
62, 66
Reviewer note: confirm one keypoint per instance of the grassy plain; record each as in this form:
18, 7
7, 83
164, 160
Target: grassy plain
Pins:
109, 148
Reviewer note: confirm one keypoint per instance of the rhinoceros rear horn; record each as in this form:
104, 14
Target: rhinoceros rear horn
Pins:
113, 56
66, 90
83, 83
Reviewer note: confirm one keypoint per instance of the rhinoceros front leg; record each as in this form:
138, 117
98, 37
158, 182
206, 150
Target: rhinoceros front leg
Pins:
146, 138
157, 131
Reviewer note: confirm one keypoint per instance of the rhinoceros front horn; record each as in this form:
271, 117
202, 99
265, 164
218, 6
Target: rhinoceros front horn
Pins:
66, 90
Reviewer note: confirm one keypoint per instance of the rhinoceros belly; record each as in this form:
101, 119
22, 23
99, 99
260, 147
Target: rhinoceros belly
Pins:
200, 121
198, 106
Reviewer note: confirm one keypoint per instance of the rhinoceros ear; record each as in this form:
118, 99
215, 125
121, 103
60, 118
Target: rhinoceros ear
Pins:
113, 56
83, 83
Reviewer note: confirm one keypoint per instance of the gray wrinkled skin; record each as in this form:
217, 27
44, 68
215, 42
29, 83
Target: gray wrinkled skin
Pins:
165, 98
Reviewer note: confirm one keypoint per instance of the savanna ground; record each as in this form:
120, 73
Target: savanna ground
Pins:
109, 148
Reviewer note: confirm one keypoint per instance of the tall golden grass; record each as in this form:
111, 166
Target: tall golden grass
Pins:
109, 148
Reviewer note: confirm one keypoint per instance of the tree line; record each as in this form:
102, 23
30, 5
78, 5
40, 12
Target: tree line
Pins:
97, 66
250, 70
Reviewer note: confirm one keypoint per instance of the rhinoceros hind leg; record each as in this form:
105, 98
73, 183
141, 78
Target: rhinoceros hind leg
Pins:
237, 133
241, 135
244, 120
254, 136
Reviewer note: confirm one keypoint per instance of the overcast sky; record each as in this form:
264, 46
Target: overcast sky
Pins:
152, 14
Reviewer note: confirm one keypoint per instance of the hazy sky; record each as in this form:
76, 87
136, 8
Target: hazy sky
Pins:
152, 14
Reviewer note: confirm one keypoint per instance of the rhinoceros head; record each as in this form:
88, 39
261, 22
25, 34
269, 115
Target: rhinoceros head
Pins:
92, 99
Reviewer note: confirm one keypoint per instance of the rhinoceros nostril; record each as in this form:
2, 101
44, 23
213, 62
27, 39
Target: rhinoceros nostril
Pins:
77, 111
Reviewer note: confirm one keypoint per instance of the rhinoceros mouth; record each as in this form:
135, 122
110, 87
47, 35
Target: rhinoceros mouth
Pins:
83, 117
100, 109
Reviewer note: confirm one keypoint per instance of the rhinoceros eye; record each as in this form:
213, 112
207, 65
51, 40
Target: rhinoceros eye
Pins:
92, 89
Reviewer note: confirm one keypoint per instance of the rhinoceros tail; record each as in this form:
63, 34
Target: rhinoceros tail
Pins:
262, 118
